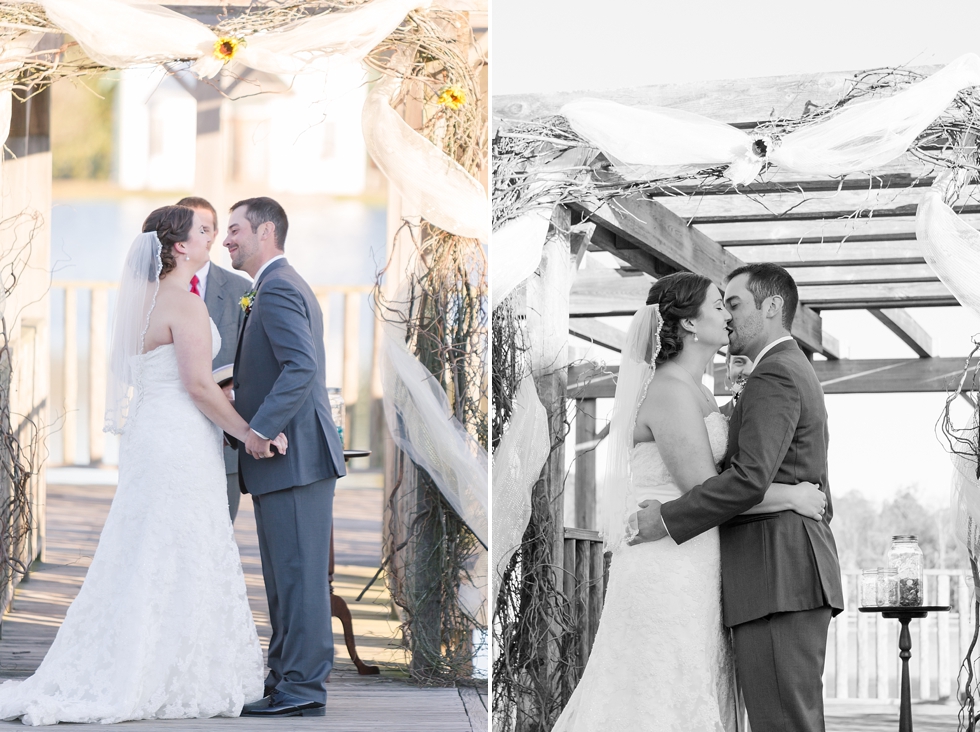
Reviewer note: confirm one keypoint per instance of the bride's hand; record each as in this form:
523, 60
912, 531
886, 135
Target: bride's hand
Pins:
281, 443
809, 501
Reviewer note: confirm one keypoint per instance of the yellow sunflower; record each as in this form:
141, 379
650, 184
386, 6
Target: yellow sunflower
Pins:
453, 97
226, 47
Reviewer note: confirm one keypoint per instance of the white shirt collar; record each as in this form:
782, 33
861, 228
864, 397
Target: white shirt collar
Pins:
768, 348
266, 265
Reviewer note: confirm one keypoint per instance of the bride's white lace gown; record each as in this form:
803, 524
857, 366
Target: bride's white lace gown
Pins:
161, 627
661, 660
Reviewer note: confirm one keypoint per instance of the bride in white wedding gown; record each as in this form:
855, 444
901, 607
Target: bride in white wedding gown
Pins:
161, 627
661, 659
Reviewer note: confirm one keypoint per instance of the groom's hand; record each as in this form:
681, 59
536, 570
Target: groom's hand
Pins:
256, 446
649, 522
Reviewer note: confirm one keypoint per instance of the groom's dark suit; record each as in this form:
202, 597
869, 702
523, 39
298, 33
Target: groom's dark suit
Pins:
780, 573
280, 386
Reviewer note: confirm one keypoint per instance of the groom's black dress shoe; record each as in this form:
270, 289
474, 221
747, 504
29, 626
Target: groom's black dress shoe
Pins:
281, 704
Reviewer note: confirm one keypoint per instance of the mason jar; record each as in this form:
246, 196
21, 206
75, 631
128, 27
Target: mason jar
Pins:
887, 588
869, 587
905, 557
337, 409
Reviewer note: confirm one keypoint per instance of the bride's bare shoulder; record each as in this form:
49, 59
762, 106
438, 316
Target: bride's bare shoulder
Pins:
668, 393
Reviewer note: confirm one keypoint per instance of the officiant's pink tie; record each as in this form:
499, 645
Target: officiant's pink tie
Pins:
194, 283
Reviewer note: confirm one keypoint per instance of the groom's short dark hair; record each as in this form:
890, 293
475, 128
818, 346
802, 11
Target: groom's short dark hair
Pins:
263, 209
767, 279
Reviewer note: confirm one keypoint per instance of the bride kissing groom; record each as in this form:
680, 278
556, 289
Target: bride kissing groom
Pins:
724, 564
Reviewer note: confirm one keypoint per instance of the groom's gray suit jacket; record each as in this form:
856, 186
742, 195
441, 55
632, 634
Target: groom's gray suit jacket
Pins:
280, 385
222, 295
776, 562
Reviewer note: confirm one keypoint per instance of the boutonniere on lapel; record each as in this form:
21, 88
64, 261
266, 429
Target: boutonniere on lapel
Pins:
247, 301
737, 387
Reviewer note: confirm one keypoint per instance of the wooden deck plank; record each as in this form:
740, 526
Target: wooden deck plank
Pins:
355, 703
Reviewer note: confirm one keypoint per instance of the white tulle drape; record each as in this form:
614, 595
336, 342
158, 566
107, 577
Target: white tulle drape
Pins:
863, 136
950, 246
312, 42
422, 424
517, 247
431, 182
517, 462
121, 33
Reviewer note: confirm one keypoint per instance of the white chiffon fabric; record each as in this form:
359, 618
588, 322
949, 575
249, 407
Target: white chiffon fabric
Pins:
161, 627
517, 247
517, 462
423, 426
661, 659
861, 137
432, 183
950, 246
122, 33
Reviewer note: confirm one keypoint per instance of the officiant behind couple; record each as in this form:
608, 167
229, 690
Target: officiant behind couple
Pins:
724, 565
161, 627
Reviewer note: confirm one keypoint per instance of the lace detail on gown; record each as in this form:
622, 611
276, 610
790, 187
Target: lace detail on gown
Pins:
661, 659
161, 627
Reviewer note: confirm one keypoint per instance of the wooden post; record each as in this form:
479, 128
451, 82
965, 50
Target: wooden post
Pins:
547, 326
70, 430
352, 322
583, 565
585, 464
942, 625
842, 626
864, 645
568, 587
98, 328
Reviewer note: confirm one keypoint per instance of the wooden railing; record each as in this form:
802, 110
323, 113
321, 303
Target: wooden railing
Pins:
97, 294
585, 576
862, 653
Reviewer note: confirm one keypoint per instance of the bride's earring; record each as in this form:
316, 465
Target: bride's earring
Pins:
187, 258
695, 336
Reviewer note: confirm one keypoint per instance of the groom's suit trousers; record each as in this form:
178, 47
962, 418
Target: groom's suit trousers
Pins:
783, 656
294, 542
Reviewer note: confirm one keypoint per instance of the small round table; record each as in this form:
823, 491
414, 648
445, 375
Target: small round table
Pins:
904, 615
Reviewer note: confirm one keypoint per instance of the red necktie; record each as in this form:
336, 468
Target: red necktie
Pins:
194, 283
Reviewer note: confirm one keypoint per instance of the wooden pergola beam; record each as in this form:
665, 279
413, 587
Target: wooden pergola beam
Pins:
595, 331
843, 376
902, 324
648, 236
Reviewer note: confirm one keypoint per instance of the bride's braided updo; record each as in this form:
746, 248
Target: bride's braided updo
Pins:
680, 296
172, 224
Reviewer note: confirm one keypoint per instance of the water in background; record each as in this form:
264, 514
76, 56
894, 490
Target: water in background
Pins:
329, 242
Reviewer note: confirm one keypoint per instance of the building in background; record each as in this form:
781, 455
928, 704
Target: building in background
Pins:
299, 136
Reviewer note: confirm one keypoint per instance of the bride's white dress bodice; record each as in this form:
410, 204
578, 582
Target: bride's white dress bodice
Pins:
161, 627
652, 480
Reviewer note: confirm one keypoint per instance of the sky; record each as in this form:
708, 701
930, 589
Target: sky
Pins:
879, 443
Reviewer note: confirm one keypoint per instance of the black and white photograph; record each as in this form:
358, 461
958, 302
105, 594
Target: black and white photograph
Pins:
735, 291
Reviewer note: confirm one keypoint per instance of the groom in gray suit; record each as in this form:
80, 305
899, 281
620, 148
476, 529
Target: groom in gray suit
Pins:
780, 574
221, 291
280, 386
